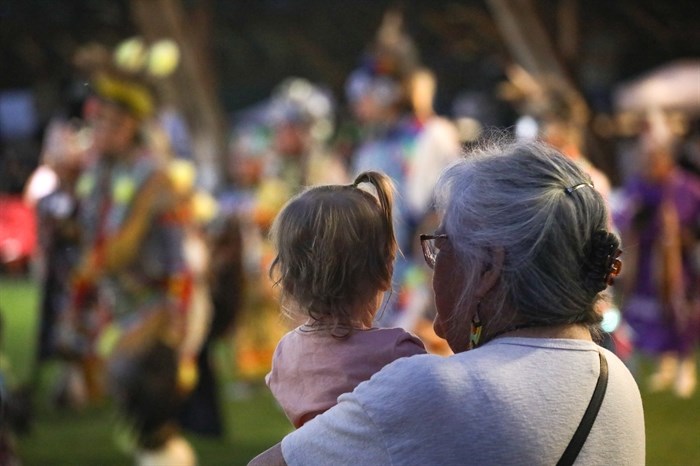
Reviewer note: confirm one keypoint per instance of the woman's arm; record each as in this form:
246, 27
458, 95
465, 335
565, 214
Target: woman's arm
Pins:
344, 434
271, 457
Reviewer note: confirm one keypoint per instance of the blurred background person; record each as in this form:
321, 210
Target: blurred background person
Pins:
661, 283
65, 154
213, 250
299, 116
202, 411
566, 136
392, 97
237, 241
437, 145
134, 260
559, 129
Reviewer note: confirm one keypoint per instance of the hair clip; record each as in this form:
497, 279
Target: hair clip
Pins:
614, 267
570, 191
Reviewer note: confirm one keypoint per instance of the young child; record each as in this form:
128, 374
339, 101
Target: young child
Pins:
335, 252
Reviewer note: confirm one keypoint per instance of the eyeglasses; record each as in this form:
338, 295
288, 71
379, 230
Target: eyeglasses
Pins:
427, 242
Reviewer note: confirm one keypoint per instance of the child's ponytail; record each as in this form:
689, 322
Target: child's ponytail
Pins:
385, 194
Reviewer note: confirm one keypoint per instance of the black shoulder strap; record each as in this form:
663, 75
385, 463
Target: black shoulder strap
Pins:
589, 416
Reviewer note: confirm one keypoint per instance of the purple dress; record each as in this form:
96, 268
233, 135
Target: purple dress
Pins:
657, 328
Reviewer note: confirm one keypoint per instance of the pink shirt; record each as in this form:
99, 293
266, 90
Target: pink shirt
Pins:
311, 368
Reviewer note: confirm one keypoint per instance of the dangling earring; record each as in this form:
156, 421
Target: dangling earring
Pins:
475, 333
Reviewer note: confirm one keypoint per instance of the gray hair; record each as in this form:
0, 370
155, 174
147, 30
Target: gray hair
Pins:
513, 196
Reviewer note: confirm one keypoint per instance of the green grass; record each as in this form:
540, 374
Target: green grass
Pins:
19, 305
87, 437
672, 428
253, 422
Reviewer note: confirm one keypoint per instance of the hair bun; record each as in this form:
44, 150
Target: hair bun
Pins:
603, 263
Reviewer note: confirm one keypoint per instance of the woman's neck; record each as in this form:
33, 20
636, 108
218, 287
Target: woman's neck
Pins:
570, 331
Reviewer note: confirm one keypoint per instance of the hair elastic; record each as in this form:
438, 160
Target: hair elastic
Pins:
570, 190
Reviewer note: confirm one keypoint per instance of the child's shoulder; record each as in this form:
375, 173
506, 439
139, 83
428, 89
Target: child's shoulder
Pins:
389, 339
405, 343
396, 333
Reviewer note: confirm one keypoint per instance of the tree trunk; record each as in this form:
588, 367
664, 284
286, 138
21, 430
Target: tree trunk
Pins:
192, 87
533, 49
568, 30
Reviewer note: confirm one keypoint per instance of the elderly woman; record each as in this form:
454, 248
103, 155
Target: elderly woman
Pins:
520, 259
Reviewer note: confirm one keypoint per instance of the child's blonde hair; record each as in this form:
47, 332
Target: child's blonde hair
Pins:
335, 249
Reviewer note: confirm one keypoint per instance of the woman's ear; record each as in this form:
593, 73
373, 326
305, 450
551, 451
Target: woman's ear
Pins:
491, 274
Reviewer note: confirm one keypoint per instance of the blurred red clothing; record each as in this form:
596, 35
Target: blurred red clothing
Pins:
17, 229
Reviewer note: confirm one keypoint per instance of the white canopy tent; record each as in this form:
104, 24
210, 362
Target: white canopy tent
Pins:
674, 86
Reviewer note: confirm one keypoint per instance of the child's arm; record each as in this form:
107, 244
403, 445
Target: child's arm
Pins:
270, 457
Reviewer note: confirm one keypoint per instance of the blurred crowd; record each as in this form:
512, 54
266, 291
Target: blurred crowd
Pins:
142, 270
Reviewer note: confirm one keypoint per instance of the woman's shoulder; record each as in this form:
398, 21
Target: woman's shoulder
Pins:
410, 374
408, 387
403, 372
620, 371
